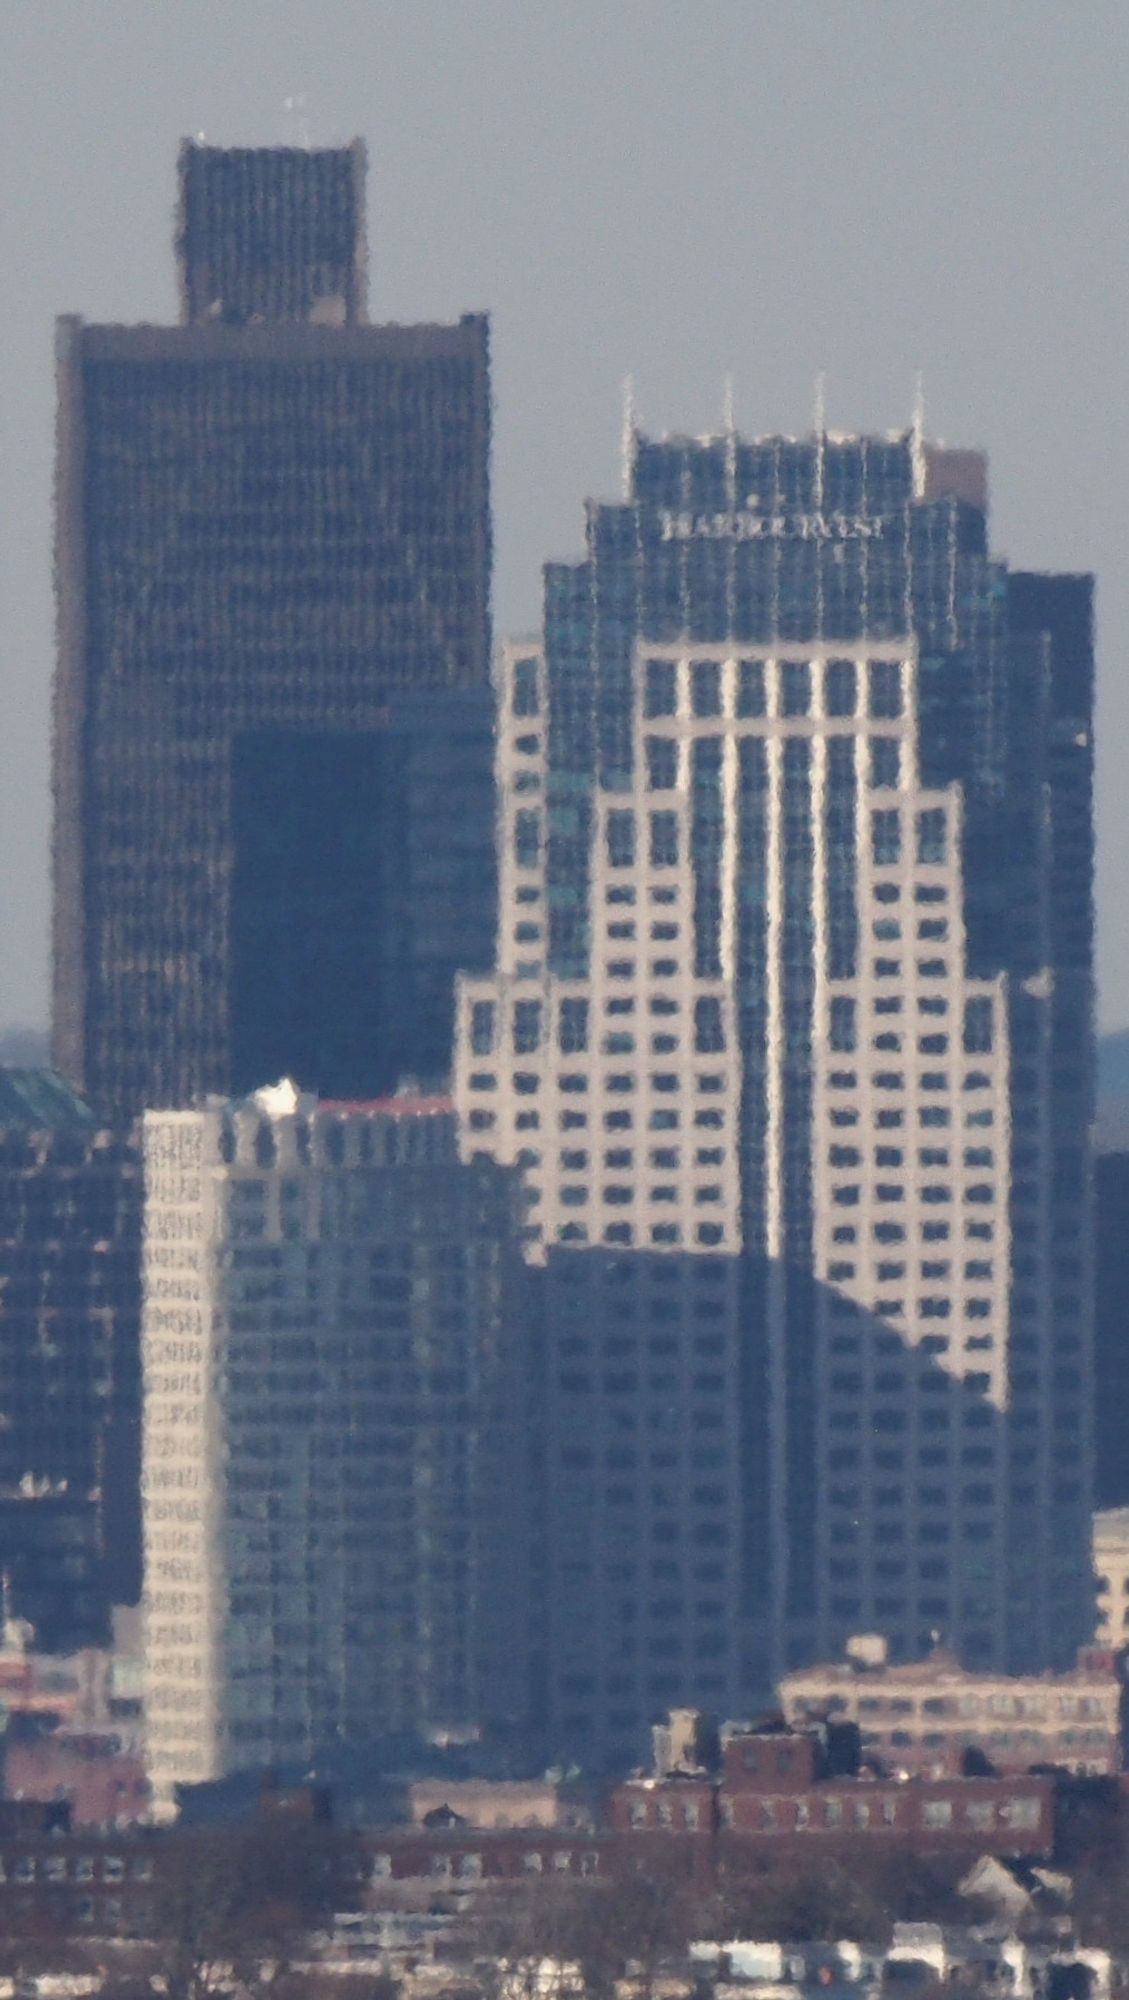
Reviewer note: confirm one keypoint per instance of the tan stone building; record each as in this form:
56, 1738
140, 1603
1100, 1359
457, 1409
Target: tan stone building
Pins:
1111, 1576
923, 1718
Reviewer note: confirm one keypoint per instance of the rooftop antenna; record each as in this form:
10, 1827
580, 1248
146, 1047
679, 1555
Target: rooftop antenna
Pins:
729, 422
295, 109
820, 421
917, 436
627, 436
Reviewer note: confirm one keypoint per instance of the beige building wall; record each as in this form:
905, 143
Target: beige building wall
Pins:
1111, 1576
922, 1717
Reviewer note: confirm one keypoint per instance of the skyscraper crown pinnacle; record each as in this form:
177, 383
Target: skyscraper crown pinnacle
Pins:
271, 233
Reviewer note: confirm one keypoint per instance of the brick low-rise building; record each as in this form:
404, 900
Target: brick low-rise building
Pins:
784, 1794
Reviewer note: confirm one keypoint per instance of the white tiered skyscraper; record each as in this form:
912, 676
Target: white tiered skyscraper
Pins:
753, 1039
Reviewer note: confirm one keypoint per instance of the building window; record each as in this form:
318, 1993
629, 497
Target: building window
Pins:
977, 1026
840, 687
842, 1030
706, 687
525, 687
661, 697
886, 837
527, 1026
662, 763
931, 836
620, 829
709, 1034
750, 688
572, 1027
664, 839
527, 837
937, 1812
795, 687
885, 762
885, 679
482, 1027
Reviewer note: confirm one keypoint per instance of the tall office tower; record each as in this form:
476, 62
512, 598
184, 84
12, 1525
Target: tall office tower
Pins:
791, 1033
272, 765
333, 1367
70, 1231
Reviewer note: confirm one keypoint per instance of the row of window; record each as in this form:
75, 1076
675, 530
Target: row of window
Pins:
748, 688
527, 1025
977, 1269
75, 1868
976, 1035
577, 1160
847, 1079
527, 1083
894, 1156
669, 761
771, 1814
621, 1194
623, 1235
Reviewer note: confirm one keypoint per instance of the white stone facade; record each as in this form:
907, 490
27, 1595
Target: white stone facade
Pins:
623, 1098
329, 1433
1111, 1576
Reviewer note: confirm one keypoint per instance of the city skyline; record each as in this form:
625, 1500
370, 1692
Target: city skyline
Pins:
990, 240
564, 1214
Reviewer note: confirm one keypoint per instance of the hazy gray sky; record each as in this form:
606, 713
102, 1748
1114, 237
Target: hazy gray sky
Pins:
762, 188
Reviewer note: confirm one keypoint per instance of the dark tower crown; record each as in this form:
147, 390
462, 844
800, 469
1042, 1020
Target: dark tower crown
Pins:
271, 233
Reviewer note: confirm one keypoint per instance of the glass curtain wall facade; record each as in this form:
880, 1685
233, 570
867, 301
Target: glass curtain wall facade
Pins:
794, 980
273, 558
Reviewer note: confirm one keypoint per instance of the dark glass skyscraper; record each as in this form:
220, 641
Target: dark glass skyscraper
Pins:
70, 1305
273, 821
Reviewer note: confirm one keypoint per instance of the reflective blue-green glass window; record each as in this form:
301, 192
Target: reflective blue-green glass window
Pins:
795, 687
661, 696
840, 687
527, 1026
843, 1032
572, 1026
839, 832
706, 687
931, 843
885, 688
525, 687
750, 688
662, 763
705, 841
664, 839
621, 838
885, 760
482, 1027
709, 1033
977, 1025
527, 837
886, 837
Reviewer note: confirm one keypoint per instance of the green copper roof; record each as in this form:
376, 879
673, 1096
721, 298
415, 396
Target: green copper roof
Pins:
40, 1099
